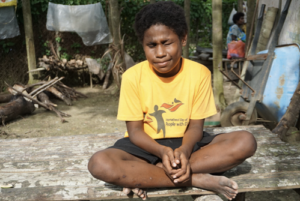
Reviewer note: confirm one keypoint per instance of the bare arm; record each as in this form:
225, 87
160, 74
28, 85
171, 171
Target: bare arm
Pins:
182, 154
192, 135
138, 137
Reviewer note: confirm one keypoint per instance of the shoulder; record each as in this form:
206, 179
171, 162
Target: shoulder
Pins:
135, 71
196, 69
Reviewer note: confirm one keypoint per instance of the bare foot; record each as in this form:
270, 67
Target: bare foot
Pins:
139, 192
218, 184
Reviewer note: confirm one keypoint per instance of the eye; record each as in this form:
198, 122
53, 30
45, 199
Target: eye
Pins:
151, 45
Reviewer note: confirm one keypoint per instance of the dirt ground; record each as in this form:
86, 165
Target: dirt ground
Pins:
97, 114
92, 115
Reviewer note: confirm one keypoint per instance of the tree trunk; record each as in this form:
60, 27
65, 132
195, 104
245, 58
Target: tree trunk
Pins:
115, 21
109, 18
290, 117
240, 5
217, 54
29, 38
14, 109
187, 9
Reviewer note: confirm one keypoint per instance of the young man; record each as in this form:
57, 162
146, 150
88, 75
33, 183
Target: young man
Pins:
164, 101
236, 32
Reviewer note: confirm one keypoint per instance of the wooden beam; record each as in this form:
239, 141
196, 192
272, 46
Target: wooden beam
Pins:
31, 58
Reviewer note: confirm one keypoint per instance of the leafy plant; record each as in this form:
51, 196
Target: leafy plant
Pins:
104, 62
65, 55
58, 39
6, 46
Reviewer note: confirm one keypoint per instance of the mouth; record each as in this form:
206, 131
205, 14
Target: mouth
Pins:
162, 64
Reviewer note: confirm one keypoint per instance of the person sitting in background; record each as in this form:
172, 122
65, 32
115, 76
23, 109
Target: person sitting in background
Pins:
235, 31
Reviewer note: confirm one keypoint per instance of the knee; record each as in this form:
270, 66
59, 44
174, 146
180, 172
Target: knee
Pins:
101, 167
245, 145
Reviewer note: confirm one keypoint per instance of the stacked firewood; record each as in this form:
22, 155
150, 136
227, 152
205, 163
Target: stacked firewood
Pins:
51, 63
25, 98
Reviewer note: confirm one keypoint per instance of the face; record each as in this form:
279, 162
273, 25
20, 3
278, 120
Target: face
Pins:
163, 49
241, 21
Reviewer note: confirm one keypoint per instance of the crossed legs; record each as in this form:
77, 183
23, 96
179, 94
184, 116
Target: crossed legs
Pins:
223, 153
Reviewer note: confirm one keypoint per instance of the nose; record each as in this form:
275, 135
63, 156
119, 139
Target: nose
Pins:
160, 51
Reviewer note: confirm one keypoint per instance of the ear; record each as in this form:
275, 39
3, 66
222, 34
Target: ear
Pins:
184, 40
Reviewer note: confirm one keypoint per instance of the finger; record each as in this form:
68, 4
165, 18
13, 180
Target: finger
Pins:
172, 159
183, 168
166, 164
126, 191
177, 157
184, 176
140, 192
135, 191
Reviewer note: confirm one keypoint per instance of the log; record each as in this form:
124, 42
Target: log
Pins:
59, 95
290, 117
45, 99
5, 98
15, 109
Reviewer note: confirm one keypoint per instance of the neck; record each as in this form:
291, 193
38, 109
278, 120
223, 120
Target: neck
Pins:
173, 72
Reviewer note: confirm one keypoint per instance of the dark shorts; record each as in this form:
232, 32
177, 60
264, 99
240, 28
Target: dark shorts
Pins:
126, 145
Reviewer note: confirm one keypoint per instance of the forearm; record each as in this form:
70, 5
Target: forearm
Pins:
192, 135
141, 139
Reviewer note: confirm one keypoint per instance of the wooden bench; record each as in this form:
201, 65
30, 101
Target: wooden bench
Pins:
55, 168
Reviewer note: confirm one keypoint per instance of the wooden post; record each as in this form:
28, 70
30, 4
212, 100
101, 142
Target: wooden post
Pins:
29, 38
240, 5
217, 54
187, 8
251, 4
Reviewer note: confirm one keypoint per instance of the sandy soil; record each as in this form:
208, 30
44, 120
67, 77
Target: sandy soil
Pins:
97, 114
92, 115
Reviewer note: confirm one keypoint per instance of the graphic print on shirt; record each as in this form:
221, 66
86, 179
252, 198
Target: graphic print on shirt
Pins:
158, 114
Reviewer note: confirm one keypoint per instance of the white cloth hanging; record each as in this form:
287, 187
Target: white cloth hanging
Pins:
88, 21
9, 27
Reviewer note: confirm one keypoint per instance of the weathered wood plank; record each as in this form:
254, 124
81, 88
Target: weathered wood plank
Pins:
55, 168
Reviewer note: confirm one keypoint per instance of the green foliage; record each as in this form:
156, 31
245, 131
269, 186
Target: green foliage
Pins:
104, 62
64, 55
6, 46
58, 39
75, 45
201, 20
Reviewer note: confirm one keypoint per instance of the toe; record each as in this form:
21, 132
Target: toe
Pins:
126, 190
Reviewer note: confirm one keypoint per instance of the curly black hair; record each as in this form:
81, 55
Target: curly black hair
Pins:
164, 12
237, 16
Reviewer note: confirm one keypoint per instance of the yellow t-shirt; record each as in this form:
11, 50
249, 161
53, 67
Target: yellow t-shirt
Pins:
166, 104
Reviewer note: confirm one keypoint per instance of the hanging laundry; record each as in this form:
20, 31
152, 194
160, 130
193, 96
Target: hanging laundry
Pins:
5, 3
9, 27
88, 21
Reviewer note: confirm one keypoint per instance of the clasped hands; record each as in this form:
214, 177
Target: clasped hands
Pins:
176, 164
